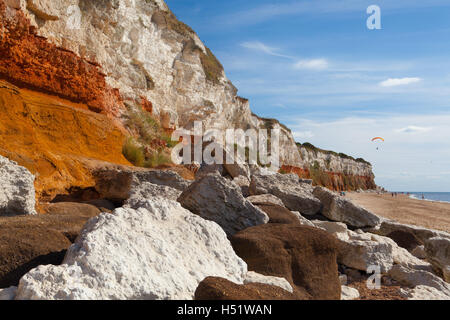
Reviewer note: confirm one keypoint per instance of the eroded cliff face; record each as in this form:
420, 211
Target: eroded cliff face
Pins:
29, 60
99, 57
57, 112
55, 139
146, 52
335, 171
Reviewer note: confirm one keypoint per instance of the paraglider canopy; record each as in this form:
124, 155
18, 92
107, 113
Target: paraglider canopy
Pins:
378, 139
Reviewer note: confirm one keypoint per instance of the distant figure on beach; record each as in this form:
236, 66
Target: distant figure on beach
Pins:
423, 197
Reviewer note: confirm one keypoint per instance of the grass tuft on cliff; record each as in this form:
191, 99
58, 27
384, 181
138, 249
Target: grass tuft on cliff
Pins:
212, 66
133, 152
149, 145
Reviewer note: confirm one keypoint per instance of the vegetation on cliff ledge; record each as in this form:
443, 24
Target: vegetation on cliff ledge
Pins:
212, 66
149, 145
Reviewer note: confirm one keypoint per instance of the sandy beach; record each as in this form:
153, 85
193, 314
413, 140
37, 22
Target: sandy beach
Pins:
434, 215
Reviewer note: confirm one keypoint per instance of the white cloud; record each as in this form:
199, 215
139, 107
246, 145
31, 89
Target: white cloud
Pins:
422, 156
261, 47
313, 64
394, 82
302, 135
414, 129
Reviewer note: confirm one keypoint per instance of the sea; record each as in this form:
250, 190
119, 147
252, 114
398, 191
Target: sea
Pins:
431, 196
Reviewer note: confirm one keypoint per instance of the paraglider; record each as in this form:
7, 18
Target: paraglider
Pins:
378, 139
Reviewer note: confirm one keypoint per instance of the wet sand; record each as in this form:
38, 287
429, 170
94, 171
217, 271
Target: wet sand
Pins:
433, 215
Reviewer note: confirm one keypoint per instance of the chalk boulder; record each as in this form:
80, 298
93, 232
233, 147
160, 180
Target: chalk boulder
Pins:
160, 251
415, 278
17, 193
218, 199
361, 251
339, 209
296, 196
425, 293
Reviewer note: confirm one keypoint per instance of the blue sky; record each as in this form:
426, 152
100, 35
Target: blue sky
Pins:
315, 66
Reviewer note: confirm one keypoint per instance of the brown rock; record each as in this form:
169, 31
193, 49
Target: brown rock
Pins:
405, 239
103, 205
73, 208
278, 214
29, 241
304, 256
213, 288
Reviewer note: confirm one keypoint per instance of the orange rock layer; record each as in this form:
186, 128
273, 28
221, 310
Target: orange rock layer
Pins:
30, 61
333, 180
54, 138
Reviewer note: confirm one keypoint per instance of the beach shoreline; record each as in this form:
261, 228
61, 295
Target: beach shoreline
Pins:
416, 196
404, 209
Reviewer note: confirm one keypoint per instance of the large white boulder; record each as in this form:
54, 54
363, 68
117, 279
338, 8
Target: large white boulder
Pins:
438, 253
360, 250
414, 278
17, 193
425, 293
218, 199
340, 209
296, 196
160, 251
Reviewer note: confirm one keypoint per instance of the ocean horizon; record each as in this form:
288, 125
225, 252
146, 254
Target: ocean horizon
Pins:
431, 196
